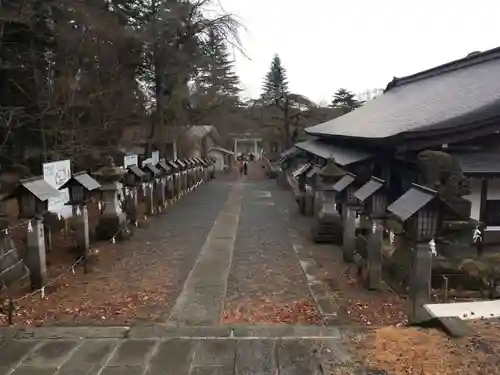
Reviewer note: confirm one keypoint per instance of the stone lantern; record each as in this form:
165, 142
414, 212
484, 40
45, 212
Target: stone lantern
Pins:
189, 174
81, 187
328, 226
300, 175
374, 199
345, 197
134, 176
177, 177
420, 211
166, 174
199, 169
192, 173
113, 222
33, 196
172, 180
183, 175
344, 189
197, 163
133, 179
151, 174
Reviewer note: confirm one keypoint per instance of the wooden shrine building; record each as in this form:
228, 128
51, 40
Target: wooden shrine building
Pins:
453, 108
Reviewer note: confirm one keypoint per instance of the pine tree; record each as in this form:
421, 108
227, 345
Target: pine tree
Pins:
345, 101
217, 83
275, 85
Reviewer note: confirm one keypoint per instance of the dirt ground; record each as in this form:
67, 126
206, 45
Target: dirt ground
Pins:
418, 351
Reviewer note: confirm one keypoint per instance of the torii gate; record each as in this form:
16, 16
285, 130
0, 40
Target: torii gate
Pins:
255, 142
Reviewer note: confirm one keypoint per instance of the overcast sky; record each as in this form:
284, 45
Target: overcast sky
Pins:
357, 44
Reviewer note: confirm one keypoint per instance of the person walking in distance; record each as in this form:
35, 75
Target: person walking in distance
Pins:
240, 167
245, 167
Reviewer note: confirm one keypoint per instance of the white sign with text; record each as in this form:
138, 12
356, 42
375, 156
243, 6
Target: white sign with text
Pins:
57, 174
130, 160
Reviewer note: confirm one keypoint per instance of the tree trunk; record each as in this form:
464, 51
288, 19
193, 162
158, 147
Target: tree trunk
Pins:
157, 120
286, 124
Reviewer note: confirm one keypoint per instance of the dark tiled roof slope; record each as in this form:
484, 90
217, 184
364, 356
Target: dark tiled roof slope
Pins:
453, 95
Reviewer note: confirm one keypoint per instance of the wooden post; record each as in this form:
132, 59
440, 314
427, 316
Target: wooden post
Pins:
149, 197
82, 231
419, 282
349, 238
374, 255
35, 255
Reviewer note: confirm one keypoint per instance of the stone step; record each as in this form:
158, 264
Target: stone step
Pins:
170, 331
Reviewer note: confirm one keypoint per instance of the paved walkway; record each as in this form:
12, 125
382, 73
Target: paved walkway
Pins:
218, 260
158, 350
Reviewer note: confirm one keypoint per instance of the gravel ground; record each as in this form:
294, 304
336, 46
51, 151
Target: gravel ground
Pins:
356, 305
266, 283
134, 280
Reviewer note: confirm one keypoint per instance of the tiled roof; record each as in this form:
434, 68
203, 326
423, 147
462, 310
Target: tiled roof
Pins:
459, 94
478, 162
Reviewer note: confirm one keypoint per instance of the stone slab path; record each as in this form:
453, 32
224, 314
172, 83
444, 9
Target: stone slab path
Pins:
228, 252
201, 300
162, 350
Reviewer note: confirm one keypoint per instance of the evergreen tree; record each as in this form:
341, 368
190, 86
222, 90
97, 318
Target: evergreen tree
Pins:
345, 101
275, 85
217, 82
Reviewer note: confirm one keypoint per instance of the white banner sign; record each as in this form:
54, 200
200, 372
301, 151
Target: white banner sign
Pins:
129, 160
57, 174
155, 156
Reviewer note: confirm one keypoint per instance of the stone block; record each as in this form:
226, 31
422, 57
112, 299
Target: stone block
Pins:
454, 326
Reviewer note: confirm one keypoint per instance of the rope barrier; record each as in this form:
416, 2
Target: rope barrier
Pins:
11, 302
18, 224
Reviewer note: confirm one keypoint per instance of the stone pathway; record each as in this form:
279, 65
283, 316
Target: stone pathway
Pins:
156, 350
201, 300
266, 283
247, 264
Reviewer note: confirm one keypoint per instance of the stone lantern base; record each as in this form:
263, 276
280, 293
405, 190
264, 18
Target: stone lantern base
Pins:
113, 222
113, 227
328, 227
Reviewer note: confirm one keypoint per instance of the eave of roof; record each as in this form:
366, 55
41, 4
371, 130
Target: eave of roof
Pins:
342, 155
478, 163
